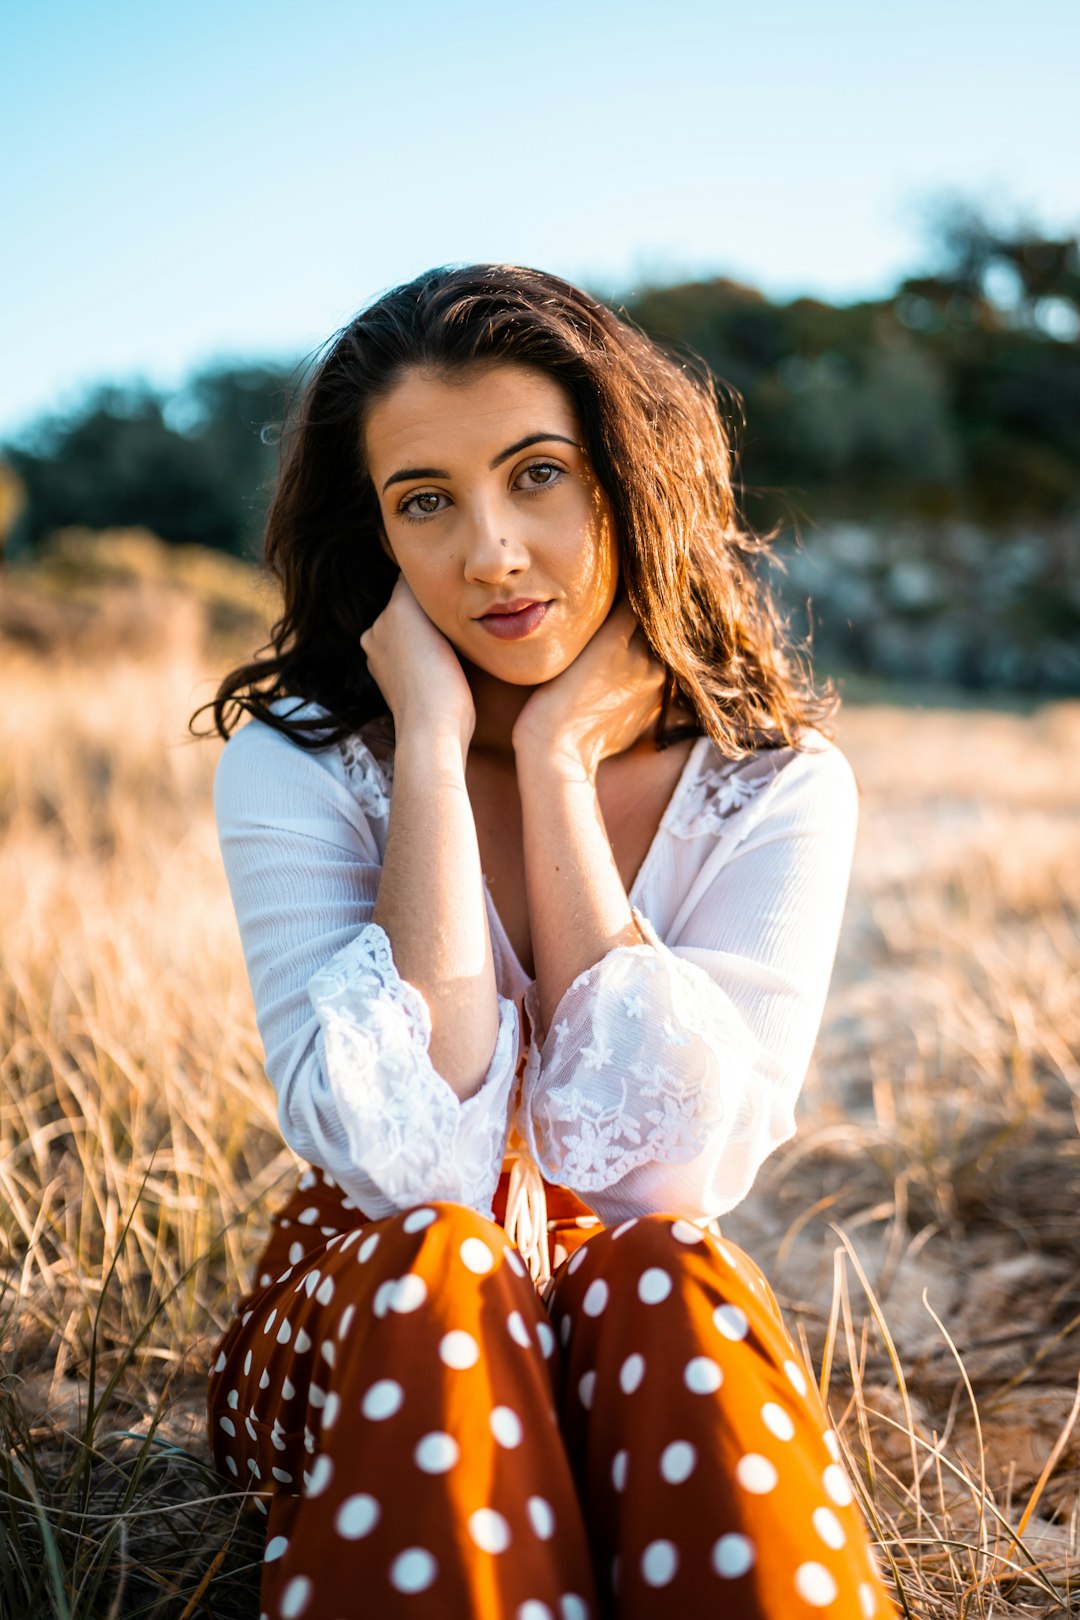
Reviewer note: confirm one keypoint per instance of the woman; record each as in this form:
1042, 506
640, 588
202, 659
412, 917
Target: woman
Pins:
539, 857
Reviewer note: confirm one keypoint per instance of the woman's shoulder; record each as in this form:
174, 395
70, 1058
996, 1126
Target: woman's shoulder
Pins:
263, 759
725, 796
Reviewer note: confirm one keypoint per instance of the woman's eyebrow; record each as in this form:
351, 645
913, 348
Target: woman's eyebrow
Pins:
406, 473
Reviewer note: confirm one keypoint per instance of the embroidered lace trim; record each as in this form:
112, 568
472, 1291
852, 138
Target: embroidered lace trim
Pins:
718, 794
588, 1126
407, 1129
371, 778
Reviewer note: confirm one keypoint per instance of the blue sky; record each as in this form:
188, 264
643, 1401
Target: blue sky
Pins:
227, 180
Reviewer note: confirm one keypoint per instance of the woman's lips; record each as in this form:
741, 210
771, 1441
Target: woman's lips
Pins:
512, 626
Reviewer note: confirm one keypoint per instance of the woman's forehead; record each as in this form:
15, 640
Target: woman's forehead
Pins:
427, 414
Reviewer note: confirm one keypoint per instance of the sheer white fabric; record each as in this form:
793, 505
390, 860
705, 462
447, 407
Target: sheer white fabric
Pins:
672, 1067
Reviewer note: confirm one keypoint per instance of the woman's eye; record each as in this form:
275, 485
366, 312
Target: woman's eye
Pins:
416, 501
553, 474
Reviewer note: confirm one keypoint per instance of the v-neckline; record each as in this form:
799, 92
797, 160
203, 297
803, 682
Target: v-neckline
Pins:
685, 776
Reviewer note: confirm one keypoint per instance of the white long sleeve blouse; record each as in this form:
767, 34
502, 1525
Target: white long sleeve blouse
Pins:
671, 1069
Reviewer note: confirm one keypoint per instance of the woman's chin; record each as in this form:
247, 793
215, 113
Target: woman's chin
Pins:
517, 668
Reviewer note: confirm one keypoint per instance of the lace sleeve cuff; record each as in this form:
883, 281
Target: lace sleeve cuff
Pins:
645, 1062
406, 1128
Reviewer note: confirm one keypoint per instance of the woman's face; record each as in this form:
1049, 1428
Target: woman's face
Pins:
488, 497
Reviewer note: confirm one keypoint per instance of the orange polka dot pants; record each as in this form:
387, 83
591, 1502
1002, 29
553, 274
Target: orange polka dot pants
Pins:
428, 1438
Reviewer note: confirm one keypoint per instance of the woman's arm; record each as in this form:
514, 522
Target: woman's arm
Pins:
671, 1070
431, 892
599, 706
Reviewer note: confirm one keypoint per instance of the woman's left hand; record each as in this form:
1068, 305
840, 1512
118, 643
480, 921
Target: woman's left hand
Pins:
601, 703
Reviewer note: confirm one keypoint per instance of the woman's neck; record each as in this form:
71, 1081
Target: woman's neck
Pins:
497, 706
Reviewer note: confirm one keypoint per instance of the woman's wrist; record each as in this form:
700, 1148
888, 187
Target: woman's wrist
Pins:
559, 761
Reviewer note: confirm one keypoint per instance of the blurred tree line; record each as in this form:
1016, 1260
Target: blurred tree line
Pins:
956, 398
918, 454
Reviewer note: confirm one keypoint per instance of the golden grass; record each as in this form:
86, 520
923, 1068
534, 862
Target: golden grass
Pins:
921, 1229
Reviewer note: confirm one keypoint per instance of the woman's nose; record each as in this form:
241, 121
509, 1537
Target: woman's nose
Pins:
492, 551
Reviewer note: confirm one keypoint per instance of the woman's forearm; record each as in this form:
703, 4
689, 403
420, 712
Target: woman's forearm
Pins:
431, 905
578, 907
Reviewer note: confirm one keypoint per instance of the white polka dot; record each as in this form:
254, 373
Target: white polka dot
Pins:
275, 1548
357, 1516
302, 1342
828, 1527
564, 1330
413, 1570
476, 1256
284, 1332
796, 1376
541, 1517
417, 1219
625, 1227
458, 1349
325, 1292
619, 1464
247, 1363
288, 1388
270, 1320
316, 1396
409, 1293
546, 1337
436, 1452
320, 1476
383, 1399
867, 1600
307, 1180
346, 1321
233, 1398
575, 1260
832, 1445
837, 1486
518, 1331
506, 1427
777, 1421
384, 1294
261, 1507
515, 1262
702, 1376
351, 1237
264, 1379
731, 1321
659, 1562
815, 1585
732, 1556
368, 1247
686, 1232
654, 1286
489, 1530
308, 1217
327, 1351
631, 1373
596, 1297
533, 1609
572, 1607
228, 1425
220, 1362
281, 1476
296, 1596
586, 1388
755, 1474
678, 1461
230, 1463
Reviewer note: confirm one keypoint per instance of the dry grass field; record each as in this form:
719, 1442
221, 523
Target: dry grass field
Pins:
921, 1230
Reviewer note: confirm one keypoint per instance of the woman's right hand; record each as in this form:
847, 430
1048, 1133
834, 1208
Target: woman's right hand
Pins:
417, 669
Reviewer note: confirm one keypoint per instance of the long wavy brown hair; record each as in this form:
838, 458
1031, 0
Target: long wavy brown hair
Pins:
652, 426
